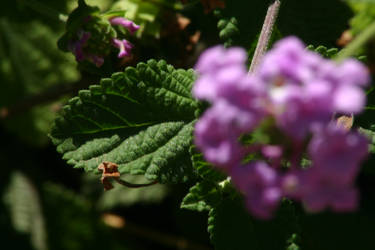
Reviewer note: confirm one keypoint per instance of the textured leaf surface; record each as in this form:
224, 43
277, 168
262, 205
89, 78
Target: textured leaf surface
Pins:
141, 119
202, 197
203, 168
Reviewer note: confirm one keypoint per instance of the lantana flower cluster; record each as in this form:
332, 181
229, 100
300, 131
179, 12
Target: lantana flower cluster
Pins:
299, 93
91, 36
80, 45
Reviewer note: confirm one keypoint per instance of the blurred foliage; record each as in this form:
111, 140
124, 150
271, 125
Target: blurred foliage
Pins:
364, 15
47, 205
25, 210
30, 64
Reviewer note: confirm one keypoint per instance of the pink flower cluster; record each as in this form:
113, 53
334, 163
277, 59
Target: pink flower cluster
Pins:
300, 92
124, 46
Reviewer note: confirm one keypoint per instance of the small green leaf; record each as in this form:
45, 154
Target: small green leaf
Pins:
141, 119
371, 137
324, 51
203, 168
202, 197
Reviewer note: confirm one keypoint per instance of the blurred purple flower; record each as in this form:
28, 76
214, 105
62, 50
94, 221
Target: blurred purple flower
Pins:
216, 134
337, 152
306, 90
129, 25
301, 91
77, 47
260, 185
318, 191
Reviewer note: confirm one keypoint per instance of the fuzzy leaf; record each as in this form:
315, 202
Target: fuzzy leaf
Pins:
203, 168
202, 197
141, 119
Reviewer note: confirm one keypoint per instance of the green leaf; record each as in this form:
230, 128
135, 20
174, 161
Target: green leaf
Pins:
324, 51
25, 210
364, 15
144, 13
240, 21
202, 197
141, 119
292, 243
203, 168
232, 227
207, 193
371, 137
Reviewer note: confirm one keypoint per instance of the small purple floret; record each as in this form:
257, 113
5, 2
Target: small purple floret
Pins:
129, 25
124, 46
77, 47
260, 184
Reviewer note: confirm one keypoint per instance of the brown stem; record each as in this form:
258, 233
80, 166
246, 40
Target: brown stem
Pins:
132, 185
265, 34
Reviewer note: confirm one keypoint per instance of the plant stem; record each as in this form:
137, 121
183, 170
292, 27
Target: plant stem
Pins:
132, 185
265, 34
357, 43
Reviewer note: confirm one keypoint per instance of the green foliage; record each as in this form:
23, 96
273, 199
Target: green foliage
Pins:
209, 191
204, 169
240, 21
324, 51
231, 227
371, 137
141, 119
25, 209
364, 15
203, 196
30, 64
144, 13
228, 28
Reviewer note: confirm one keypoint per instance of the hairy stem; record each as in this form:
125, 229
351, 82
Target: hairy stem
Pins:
265, 34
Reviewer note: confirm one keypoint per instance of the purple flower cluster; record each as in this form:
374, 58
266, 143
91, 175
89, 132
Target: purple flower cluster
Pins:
82, 51
300, 92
